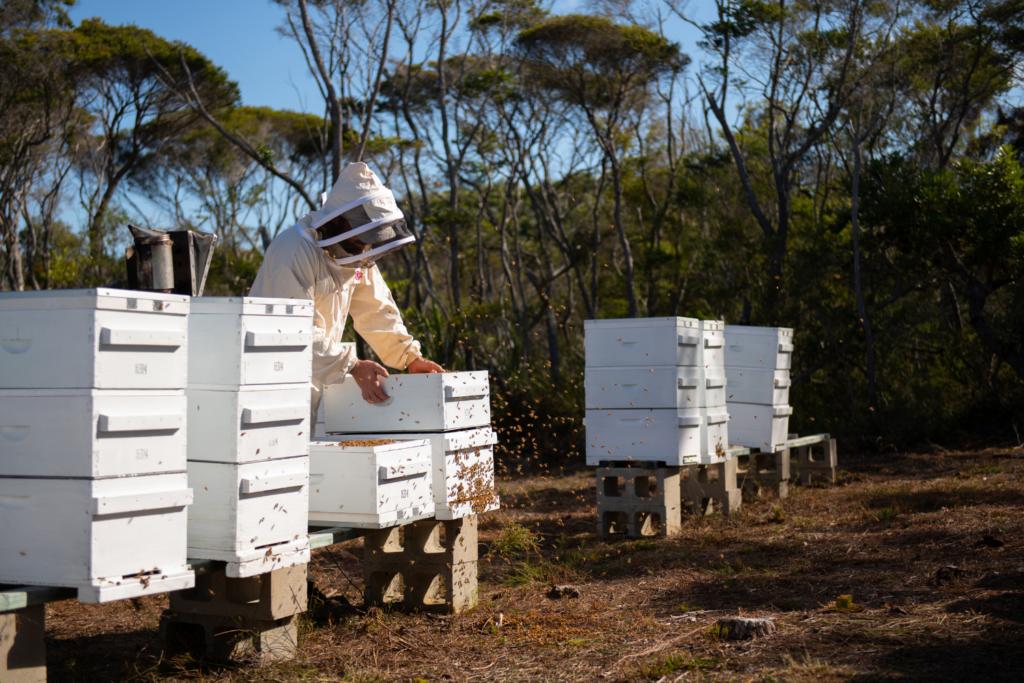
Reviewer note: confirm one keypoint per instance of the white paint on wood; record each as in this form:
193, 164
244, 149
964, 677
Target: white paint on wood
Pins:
248, 423
676, 437
110, 538
369, 484
645, 342
462, 463
416, 403
99, 338
244, 507
767, 348
91, 432
753, 385
680, 387
249, 341
759, 426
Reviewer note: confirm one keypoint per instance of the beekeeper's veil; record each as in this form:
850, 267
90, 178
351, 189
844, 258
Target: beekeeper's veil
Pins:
372, 213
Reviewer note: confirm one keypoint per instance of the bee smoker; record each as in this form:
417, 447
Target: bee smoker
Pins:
174, 262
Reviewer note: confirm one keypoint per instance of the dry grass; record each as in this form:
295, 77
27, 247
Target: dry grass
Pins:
884, 536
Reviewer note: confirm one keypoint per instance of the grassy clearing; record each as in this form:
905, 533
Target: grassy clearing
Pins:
897, 577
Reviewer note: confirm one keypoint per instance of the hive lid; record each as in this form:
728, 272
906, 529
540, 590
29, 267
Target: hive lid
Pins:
735, 330
100, 297
248, 305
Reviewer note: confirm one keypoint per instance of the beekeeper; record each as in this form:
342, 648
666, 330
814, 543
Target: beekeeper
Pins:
329, 256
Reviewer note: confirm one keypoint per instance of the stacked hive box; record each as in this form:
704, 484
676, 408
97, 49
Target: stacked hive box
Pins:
655, 400
655, 391
93, 489
440, 428
757, 362
248, 449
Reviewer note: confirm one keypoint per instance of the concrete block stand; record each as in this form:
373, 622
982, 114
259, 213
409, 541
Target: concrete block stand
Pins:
224, 617
423, 571
702, 487
22, 649
817, 462
766, 469
638, 501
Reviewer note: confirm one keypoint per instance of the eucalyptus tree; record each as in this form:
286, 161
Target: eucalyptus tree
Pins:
132, 109
606, 70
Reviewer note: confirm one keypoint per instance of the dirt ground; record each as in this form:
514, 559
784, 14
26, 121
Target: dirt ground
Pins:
929, 546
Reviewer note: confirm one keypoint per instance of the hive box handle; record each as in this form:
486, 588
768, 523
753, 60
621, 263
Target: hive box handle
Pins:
140, 502
401, 471
713, 342
275, 483
694, 421
688, 340
717, 418
785, 348
251, 416
466, 391
276, 339
165, 338
782, 383
141, 423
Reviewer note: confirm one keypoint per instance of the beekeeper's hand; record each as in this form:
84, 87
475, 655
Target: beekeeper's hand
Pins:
367, 375
422, 366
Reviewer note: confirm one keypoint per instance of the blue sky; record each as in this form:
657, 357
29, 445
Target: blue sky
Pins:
237, 35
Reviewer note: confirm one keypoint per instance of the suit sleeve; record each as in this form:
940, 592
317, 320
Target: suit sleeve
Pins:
377, 319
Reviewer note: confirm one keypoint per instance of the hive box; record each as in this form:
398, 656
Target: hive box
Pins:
751, 385
243, 340
252, 515
646, 342
759, 426
369, 487
675, 437
111, 539
416, 403
93, 338
248, 424
712, 344
462, 477
766, 348
91, 432
670, 386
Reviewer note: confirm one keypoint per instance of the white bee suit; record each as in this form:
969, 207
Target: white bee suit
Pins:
295, 267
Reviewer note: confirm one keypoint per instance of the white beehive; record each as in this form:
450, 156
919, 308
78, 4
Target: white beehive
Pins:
244, 340
767, 348
462, 479
759, 426
367, 486
250, 423
93, 338
416, 403
91, 432
642, 342
671, 386
112, 539
251, 515
751, 385
675, 437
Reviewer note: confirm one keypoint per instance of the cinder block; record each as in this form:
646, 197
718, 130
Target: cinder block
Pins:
424, 571
22, 649
766, 469
221, 639
702, 488
817, 461
265, 597
647, 503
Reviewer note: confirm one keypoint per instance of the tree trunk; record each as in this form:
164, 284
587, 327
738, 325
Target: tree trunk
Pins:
862, 313
623, 238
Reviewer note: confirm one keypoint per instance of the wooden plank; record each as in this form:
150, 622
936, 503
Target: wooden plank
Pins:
325, 537
18, 597
734, 451
806, 440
